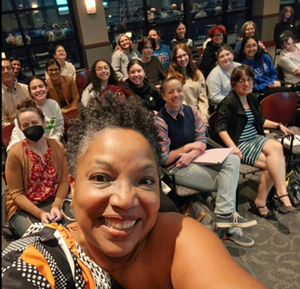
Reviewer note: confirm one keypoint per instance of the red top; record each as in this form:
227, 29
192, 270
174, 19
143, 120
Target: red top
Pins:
42, 180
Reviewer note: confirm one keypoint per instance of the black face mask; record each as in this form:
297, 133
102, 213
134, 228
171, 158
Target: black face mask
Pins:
34, 133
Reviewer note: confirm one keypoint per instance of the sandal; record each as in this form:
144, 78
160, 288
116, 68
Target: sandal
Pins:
280, 207
255, 210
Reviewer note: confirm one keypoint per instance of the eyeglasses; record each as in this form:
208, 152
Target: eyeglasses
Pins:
243, 81
53, 70
218, 35
182, 56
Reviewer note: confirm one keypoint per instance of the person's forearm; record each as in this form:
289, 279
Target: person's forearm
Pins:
26, 205
270, 124
226, 139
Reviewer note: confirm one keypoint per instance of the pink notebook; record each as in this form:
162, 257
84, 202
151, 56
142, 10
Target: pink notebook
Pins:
213, 156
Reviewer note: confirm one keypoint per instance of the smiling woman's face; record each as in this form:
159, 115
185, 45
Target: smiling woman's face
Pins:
116, 191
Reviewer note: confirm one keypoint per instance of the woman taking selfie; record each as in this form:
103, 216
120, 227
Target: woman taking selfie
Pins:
123, 53
193, 81
54, 119
61, 88
115, 197
139, 85
36, 173
240, 125
102, 75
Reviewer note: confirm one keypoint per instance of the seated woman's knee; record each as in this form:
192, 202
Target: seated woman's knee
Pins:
233, 160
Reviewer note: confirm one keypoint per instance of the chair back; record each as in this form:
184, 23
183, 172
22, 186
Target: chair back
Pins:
212, 123
81, 79
280, 107
67, 117
6, 133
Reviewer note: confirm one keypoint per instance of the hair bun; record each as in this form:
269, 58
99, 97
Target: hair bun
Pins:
26, 103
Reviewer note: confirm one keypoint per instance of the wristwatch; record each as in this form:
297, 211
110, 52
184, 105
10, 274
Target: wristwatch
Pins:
278, 126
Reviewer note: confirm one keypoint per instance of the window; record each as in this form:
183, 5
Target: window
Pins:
32, 28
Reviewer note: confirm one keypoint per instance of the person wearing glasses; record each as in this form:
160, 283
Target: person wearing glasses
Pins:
102, 75
61, 88
248, 29
209, 58
240, 125
266, 82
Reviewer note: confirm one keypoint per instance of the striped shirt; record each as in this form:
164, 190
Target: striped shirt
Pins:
200, 130
249, 131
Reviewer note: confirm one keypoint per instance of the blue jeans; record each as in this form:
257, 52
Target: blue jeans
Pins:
222, 179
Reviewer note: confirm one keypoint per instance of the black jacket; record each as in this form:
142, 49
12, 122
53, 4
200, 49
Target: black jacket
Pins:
148, 93
190, 43
22, 78
279, 28
231, 116
209, 58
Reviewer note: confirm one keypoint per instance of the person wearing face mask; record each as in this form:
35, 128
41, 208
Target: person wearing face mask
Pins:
139, 85
102, 75
36, 173
54, 119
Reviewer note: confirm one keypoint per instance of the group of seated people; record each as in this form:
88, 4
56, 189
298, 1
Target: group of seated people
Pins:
135, 116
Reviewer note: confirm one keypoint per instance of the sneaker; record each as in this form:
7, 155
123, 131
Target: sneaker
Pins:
233, 220
240, 238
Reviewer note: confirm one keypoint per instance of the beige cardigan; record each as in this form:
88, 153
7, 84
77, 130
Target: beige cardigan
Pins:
17, 171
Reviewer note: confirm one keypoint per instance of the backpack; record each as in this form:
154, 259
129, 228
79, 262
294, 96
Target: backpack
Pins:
293, 187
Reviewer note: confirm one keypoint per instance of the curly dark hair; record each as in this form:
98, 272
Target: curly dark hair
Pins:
110, 111
95, 80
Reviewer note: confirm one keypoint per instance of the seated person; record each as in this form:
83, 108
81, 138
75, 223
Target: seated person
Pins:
209, 54
183, 135
154, 70
218, 81
180, 38
19, 76
61, 88
120, 58
102, 75
162, 51
265, 73
247, 30
139, 85
240, 125
285, 23
290, 58
36, 173
53, 117
12, 93
116, 200
66, 67
194, 89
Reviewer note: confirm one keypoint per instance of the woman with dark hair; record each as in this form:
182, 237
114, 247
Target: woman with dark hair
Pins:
240, 125
66, 67
102, 75
139, 85
265, 73
161, 51
218, 81
192, 79
61, 88
209, 54
285, 23
54, 128
36, 173
248, 29
180, 38
114, 159
154, 70
19, 76
123, 53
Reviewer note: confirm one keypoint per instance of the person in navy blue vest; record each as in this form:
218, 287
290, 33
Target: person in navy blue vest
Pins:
183, 135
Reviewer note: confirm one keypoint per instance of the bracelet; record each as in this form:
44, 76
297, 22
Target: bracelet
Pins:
278, 126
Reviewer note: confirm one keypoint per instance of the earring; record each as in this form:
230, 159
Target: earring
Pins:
68, 200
